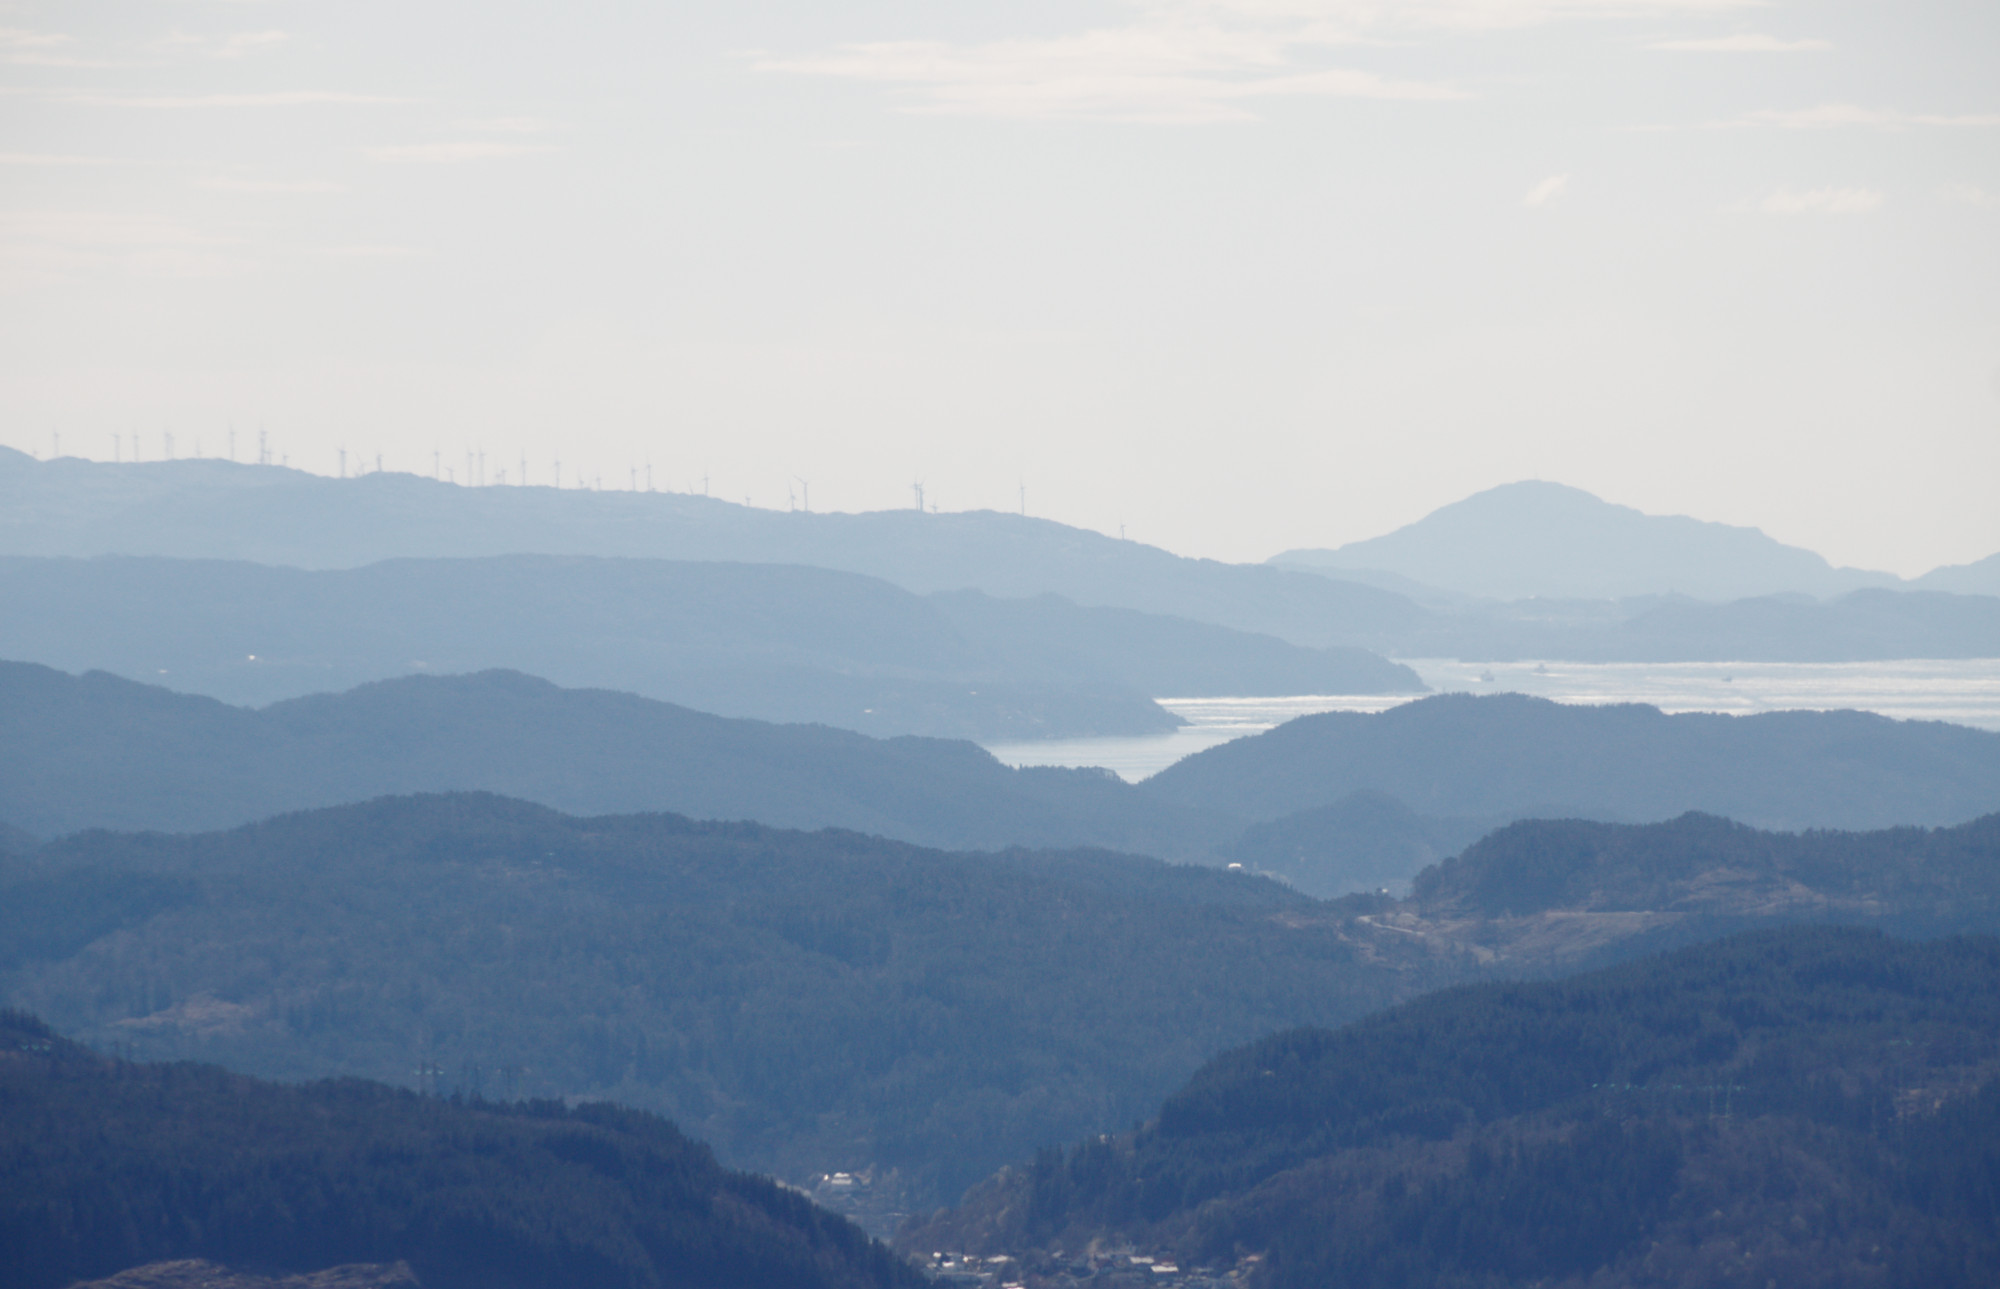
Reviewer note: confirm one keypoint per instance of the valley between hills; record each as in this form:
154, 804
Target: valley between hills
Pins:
668, 926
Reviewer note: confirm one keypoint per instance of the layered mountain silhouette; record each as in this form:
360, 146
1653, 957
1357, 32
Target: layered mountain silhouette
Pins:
1538, 539
1860, 626
213, 509
1339, 802
1602, 582
98, 751
1508, 755
771, 641
812, 1002
1981, 577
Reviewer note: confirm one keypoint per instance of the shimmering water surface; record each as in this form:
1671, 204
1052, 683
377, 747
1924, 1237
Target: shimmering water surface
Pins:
1966, 692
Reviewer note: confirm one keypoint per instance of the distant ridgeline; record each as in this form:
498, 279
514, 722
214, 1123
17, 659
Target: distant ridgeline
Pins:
1333, 804
769, 641
218, 510
1536, 539
106, 1164
1539, 570
1510, 756
1532, 540
1812, 1106
97, 751
813, 1003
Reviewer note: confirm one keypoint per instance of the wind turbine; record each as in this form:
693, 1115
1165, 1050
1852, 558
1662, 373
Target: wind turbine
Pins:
806, 487
918, 488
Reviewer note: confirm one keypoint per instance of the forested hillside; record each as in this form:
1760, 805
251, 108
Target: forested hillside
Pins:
1511, 756
1366, 841
822, 1002
805, 1002
1914, 879
110, 1164
1811, 1106
1559, 894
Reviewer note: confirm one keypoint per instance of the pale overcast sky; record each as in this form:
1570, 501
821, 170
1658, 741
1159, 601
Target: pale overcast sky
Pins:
1239, 275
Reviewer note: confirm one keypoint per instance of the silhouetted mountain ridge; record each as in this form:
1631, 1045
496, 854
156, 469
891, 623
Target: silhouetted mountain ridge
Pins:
219, 510
1511, 756
98, 751
772, 642
1533, 538
110, 1164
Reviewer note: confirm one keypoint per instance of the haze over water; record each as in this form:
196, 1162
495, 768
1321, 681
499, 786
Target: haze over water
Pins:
1962, 691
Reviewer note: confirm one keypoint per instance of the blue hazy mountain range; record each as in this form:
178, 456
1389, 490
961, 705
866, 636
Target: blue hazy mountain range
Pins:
1457, 755
210, 509
219, 510
1864, 625
1332, 803
1981, 577
98, 751
1539, 539
771, 641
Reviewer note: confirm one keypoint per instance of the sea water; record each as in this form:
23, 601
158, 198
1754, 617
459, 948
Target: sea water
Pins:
1963, 691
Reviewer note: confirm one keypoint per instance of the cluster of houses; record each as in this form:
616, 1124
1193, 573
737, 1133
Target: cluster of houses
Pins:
871, 1200
874, 1202
1123, 1268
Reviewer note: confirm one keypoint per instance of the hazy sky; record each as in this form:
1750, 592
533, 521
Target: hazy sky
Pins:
1238, 274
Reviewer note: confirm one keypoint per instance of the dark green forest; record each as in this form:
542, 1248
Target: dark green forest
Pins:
1914, 879
808, 1002
110, 1164
818, 1002
1812, 1105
